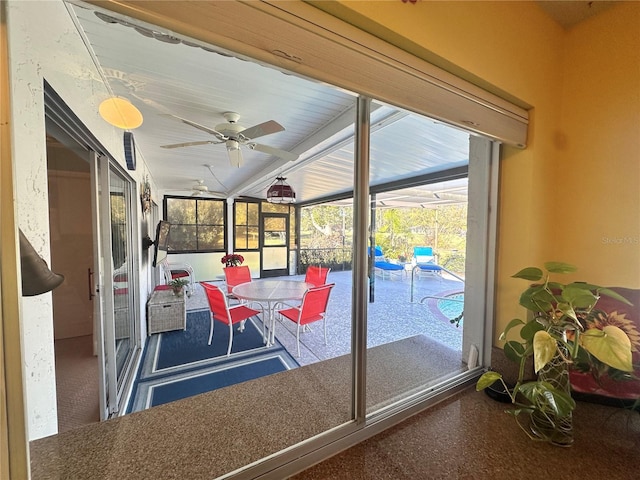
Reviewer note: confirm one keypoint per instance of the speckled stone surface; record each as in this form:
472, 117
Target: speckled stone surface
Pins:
470, 437
208, 435
465, 437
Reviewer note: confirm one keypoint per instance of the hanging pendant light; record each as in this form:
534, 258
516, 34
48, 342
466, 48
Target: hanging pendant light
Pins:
281, 192
120, 113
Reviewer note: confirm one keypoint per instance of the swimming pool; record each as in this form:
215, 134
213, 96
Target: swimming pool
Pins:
452, 306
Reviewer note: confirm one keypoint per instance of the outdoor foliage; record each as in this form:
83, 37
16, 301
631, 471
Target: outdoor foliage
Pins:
398, 230
196, 224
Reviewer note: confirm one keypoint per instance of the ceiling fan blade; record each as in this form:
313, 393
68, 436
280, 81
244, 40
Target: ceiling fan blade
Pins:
266, 128
188, 144
198, 126
209, 194
274, 151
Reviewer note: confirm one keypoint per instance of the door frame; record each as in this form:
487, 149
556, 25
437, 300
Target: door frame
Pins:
274, 272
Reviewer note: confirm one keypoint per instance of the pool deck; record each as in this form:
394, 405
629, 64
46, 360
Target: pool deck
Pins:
391, 316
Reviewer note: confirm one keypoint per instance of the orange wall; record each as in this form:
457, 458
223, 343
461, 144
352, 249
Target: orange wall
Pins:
574, 190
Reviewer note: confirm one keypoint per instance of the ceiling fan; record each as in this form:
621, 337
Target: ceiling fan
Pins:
234, 136
200, 189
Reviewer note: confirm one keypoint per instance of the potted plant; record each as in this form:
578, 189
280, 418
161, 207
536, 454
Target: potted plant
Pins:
232, 260
177, 285
557, 333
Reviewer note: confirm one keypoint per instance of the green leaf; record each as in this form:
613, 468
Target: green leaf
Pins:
517, 411
578, 296
545, 397
559, 267
513, 323
513, 351
487, 379
609, 345
529, 330
537, 299
544, 348
531, 273
567, 310
612, 294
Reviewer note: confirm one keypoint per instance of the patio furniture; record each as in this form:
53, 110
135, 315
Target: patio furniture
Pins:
424, 261
271, 292
236, 276
165, 312
221, 311
383, 267
316, 275
171, 271
312, 309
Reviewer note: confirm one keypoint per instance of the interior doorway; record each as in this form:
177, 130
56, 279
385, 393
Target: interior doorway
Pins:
71, 238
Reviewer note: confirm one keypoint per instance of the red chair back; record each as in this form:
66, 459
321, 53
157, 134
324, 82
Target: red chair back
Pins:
314, 303
217, 302
316, 275
236, 275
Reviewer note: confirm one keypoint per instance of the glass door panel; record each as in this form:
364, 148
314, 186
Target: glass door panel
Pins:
123, 271
275, 244
412, 341
120, 284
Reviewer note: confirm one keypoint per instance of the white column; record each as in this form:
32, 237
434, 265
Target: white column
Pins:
230, 231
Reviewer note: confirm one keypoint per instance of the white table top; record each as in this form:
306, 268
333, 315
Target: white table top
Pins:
271, 290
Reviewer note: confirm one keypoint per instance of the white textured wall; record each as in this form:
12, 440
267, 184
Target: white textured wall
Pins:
44, 44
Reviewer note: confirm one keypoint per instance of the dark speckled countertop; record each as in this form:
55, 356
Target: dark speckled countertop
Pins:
465, 437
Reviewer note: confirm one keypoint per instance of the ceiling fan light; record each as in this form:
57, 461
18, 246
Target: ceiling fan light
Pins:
281, 192
235, 155
120, 113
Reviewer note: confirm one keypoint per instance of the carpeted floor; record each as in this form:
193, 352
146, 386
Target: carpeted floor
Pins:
180, 364
77, 382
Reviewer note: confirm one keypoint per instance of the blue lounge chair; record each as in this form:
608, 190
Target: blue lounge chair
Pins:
384, 268
424, 262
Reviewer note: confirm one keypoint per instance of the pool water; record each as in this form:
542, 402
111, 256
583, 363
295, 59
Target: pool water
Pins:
452, 309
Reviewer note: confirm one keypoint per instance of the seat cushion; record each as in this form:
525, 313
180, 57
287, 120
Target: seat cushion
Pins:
428, 267
179, 274
389, 266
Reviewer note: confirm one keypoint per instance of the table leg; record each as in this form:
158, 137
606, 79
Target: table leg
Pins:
270, 340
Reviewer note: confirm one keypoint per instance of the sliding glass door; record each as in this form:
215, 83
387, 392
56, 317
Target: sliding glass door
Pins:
120, 284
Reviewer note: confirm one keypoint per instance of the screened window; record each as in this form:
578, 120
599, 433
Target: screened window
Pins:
197, 224
247, 223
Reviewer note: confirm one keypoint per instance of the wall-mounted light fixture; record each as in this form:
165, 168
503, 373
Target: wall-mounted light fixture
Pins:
281, 192
120, 113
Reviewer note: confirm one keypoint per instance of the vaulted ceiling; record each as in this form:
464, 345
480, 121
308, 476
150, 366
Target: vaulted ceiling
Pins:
183, 89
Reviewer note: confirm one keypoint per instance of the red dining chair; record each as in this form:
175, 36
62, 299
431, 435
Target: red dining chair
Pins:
221, 311
313, 308
236, 276
316, 275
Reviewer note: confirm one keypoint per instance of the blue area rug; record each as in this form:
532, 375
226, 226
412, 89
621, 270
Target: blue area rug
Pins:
184, 347
180, 364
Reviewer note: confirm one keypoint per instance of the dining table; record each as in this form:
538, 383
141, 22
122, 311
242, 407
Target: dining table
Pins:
268, 293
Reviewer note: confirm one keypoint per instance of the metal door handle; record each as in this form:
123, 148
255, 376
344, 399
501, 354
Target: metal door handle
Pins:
89, 280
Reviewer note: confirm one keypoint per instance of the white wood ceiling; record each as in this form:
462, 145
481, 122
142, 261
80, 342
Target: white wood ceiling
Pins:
164, 75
